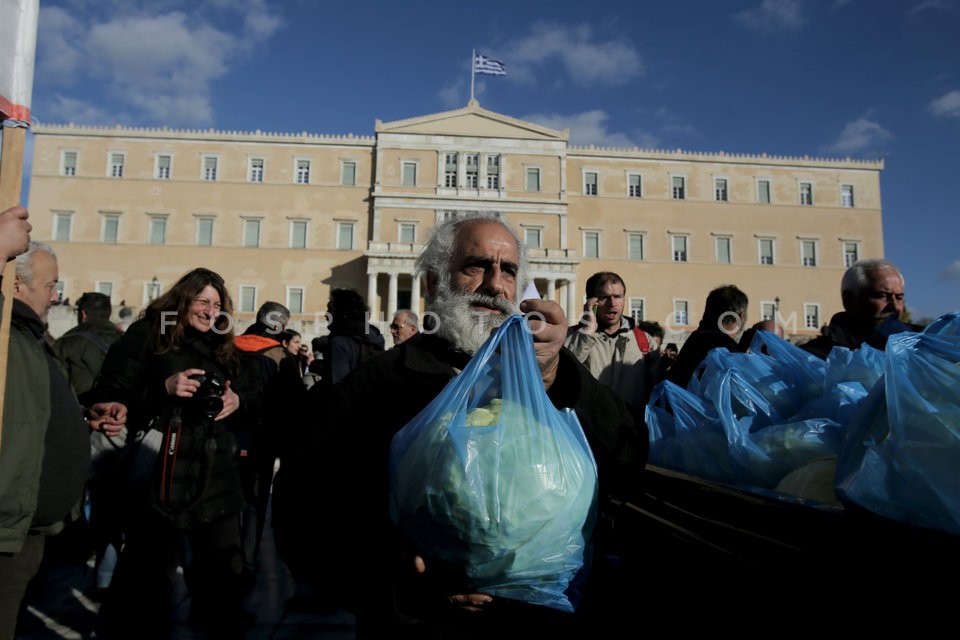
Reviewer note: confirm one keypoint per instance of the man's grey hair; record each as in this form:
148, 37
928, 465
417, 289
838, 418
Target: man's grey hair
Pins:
408, 316
857, 277
438, 253
25, 260
273, 315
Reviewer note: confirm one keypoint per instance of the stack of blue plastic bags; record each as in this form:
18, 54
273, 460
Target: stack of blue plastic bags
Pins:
879, 429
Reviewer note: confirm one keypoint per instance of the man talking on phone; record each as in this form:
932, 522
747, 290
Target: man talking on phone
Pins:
607, 343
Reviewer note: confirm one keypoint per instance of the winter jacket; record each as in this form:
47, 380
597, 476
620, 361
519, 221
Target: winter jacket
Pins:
27, 413
134, 375
615, 360
83, 349
341, 462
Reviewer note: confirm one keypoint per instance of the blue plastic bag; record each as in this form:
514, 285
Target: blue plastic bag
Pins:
903, 450
686, 434
491, 477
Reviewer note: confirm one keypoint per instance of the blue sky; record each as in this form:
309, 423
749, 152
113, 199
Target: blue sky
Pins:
825, 78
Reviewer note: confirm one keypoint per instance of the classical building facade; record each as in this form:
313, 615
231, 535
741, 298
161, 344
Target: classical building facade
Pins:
289, 216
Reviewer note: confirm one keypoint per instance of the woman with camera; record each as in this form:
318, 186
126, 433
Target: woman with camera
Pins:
177, 371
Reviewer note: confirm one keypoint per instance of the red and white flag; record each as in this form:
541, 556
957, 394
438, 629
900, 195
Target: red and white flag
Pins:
18, 45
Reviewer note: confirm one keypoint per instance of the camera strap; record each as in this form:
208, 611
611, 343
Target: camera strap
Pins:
173, 487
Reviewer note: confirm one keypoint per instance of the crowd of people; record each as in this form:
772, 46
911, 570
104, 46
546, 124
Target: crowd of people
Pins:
194, 430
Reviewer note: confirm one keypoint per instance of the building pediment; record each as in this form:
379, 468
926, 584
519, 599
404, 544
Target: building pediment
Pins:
473, 120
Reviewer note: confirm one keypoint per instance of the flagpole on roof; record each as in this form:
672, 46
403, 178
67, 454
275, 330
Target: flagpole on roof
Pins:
473, 69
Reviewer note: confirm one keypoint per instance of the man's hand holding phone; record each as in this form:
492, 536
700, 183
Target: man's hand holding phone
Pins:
588, 321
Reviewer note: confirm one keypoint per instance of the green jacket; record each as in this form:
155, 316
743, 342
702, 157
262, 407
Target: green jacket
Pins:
24, 429
82, 354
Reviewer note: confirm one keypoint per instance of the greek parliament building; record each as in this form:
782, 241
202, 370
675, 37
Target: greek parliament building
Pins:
290, 216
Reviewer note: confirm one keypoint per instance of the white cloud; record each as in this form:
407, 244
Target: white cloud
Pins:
586, 60
951, 273
589, 128
932, 5
773, 16
158, 64
947, 105
861, 137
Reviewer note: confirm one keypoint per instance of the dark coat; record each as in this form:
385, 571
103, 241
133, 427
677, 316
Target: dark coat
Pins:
134, 375
695, 349
845, 331
83, 355
353, 424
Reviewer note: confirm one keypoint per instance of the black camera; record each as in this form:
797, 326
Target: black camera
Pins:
210, 394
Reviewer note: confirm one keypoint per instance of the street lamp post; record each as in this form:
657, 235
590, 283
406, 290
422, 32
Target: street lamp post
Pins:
154, 289
776, 309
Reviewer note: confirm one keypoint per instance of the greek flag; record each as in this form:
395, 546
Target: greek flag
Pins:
483, 64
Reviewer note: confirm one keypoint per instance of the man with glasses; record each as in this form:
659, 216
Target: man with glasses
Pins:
404, 326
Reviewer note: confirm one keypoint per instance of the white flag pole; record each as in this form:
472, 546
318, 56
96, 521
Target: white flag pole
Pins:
473, 70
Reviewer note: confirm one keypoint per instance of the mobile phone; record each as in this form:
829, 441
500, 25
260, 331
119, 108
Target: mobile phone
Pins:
596, 308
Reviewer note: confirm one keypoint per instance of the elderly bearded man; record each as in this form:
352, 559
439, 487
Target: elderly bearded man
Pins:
472, 265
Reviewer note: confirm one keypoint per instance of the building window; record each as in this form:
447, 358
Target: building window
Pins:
533, 237
210, 168
345, 235
69, 163
811, 316
768, 310
303, 172
806, 193
680, 311
295, 299
763, 191
808, 252
720, 189
109, 228
408, 174
635, 246
472, 170
158, 229
846, 195
450, 170
106, 288
62, 226
679, 187
255, 170
164, 162
533, 179
590, 183
851, 253
298, 234
407, 232
679, 246
636, 309
493, 172
205, 232
348, 173
116, 165
251, 232
723, 250
248, 298
634, 185
591, 244
766, 250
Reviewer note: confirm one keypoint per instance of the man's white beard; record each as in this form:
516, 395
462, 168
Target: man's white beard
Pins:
464, 326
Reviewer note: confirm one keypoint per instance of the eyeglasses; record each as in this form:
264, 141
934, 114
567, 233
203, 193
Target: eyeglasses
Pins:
396, 327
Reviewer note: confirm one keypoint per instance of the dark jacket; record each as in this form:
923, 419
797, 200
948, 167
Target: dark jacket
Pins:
345, 464
845, 331
695, 349
348, 346
134, 375
83, 350
45, 453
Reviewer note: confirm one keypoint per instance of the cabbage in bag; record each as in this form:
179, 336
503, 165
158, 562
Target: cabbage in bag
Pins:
491, 477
